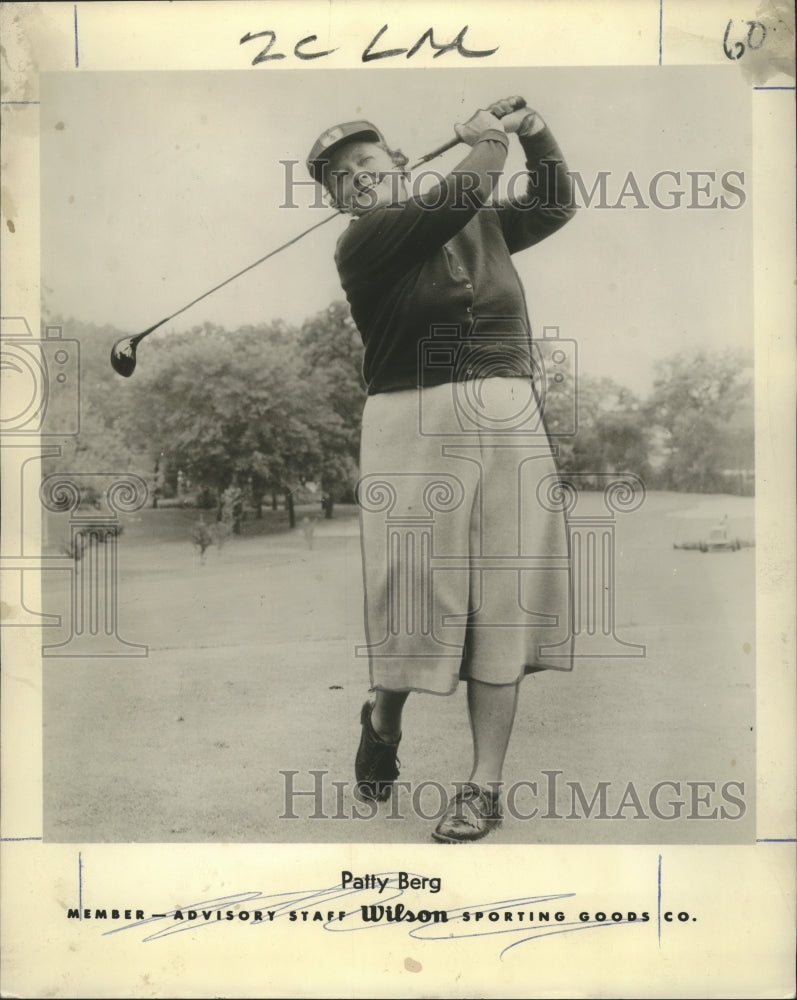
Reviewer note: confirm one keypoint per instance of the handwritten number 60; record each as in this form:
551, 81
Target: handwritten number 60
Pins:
756, 36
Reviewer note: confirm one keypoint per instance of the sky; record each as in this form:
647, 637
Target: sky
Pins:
157, 186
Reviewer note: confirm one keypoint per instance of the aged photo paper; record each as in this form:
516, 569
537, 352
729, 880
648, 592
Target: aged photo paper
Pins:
187, 592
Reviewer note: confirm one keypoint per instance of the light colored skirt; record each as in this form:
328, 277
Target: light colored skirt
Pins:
465, 549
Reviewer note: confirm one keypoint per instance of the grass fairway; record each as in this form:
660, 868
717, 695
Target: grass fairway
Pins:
251, 672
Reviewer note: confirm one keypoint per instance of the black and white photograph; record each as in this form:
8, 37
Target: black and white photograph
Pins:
398, 450
443, 515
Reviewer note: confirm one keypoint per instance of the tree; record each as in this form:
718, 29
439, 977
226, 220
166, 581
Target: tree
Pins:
102, 444
248, 410
612, 435
704, 405
223, 408
331, 353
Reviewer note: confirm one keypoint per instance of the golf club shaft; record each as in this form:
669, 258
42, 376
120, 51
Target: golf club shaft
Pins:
518, 102
437, 152
424, 159
133, 341
237, 274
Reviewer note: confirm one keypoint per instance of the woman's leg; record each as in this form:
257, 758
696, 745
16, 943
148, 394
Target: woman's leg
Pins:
492, 714
476, 809
386, 715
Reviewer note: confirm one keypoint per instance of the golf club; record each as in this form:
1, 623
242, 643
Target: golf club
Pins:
123, 352
517, 104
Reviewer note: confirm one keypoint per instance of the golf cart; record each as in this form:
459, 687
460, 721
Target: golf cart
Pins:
718, 539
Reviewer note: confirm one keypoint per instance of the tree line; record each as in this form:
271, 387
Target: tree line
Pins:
262, 414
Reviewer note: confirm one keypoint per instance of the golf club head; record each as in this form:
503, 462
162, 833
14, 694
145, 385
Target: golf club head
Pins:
123, 356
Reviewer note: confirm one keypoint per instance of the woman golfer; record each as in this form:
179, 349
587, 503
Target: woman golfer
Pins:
465, 566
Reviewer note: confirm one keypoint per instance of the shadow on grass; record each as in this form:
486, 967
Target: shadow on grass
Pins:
175, 524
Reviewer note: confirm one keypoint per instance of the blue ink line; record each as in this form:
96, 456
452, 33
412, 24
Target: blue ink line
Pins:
776, 840
774, 88
561, 930
77, 56
80, 883
658, 902
661, 26
7, 840
20, 102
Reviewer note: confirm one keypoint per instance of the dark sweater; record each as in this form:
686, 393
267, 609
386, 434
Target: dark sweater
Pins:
443, 260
